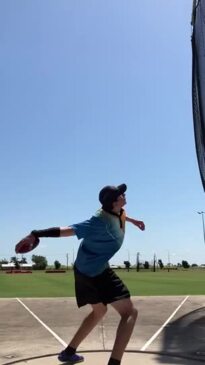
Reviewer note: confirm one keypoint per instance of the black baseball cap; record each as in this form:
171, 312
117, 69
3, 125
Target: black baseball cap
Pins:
109, 194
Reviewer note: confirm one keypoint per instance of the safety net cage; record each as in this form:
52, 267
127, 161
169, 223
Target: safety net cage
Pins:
198, 82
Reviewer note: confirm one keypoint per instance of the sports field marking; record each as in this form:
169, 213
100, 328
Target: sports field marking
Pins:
162, 327
43, 324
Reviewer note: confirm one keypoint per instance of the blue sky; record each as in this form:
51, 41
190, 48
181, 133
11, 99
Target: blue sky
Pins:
95, 93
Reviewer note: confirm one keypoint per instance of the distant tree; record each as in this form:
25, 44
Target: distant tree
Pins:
160, 263
127, 265
146, 265
23, 261
194, 265
185, 264
3, 261
16, 262
40, 262
179, 264
57, 264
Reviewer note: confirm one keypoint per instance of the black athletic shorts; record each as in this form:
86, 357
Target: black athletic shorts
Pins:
104, 288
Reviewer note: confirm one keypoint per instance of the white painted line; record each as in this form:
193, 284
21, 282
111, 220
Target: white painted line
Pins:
43, 324
162, 327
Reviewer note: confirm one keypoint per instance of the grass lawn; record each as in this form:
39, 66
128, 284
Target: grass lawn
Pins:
40, 284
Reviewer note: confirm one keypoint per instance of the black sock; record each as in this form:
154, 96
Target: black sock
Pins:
70, 350
113, 362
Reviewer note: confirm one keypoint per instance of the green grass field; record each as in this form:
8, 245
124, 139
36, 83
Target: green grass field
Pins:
40, 284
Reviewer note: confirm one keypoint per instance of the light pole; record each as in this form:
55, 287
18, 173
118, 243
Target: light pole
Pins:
128, 255
154, 262
168, 265
138, 261
67, 260
202, 215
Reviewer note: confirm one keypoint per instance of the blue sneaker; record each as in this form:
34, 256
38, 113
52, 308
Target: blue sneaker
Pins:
70, 359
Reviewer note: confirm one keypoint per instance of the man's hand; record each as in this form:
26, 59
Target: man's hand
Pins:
137, 223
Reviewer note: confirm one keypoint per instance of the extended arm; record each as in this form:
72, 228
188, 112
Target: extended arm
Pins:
66, 232
137, 223
54, 232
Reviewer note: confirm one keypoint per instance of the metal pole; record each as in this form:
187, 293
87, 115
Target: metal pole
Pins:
203, 225
128, 255
67, 260
154, 264
202, 215
137, 262
73, 256
168, 266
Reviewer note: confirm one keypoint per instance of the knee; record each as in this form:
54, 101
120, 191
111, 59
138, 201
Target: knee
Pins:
130, 312
135, 313
100, 312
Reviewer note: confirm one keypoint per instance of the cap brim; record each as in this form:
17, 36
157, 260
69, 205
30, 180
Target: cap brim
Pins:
122, 188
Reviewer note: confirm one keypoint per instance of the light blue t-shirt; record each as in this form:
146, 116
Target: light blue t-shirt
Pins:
102, 237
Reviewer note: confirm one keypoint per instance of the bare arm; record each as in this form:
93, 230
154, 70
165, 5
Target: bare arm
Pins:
66, 232
137, 223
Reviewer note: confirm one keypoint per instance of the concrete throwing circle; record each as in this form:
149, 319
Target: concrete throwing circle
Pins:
101, 358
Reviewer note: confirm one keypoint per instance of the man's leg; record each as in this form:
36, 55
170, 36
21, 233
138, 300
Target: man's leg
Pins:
69, 354
88, 324
124, 331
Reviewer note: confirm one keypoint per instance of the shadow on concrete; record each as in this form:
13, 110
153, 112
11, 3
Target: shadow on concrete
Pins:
160, 358
185, 337
28, 358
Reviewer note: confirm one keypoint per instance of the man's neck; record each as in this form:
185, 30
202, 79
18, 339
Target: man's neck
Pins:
116, 211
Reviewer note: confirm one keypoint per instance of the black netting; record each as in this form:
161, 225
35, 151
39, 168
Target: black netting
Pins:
198, 82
